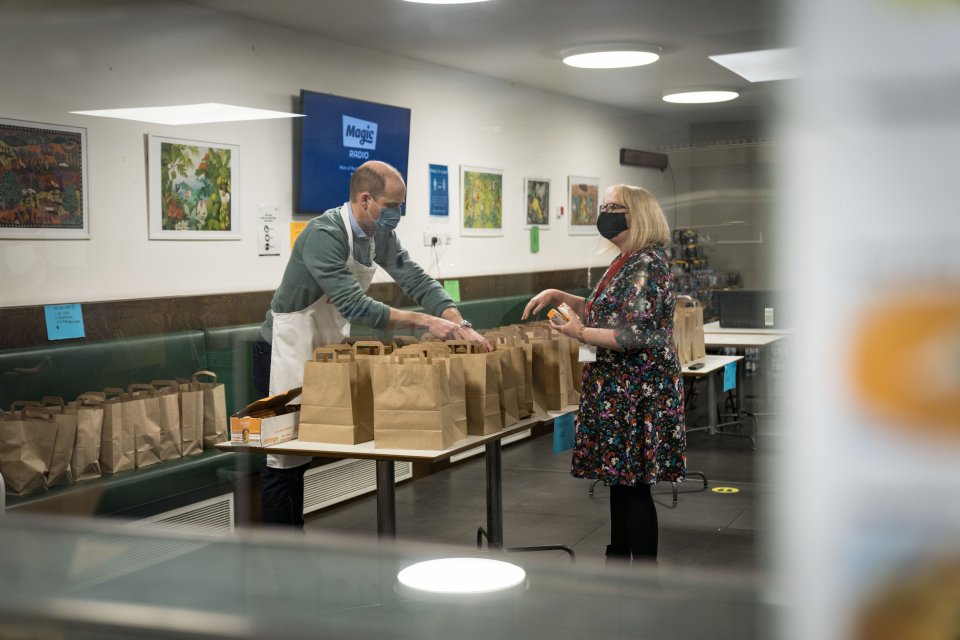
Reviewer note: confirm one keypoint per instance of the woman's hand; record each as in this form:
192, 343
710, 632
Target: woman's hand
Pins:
570, 328
546, 298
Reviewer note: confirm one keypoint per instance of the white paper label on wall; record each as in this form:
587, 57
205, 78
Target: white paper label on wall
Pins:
268, 239
768, 316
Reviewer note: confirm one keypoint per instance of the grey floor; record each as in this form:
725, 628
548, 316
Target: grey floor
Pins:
543, 504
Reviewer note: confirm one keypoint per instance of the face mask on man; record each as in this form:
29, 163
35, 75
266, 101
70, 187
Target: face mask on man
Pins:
611, 224
389, 218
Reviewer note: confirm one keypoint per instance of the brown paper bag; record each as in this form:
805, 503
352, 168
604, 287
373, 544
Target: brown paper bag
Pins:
523, 340
482, 399
85, 462
167, 393
27, 440
552, 379
141, 409
512, 376
457, 381
693, 326
66, 438
191, 418
412, 407
117, 442
215, 418
336, 404
688, 329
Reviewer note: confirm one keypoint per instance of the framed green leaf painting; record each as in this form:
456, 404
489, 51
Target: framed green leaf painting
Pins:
194, 190
482, 193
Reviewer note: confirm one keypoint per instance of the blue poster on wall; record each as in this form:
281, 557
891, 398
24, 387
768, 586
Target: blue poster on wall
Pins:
339, 134
439, 190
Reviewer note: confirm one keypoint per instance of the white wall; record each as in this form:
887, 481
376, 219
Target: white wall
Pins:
106, 56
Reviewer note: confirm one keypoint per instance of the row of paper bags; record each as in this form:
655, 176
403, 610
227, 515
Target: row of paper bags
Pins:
48, 443
428, 395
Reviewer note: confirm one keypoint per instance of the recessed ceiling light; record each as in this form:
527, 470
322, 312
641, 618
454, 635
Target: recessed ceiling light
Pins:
461, 576
190, 113
612, 56
762, 66
700, 97
445, 1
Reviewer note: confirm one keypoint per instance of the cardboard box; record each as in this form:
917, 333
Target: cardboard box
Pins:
267, 421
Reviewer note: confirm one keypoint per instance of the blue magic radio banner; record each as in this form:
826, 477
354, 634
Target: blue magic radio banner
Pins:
338, 135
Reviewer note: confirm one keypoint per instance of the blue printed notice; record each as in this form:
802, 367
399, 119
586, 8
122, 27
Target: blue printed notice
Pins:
439, 190
563, 433
729, 376
64, 321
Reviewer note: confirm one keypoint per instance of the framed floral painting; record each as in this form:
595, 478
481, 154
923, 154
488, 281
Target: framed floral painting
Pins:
584, 196
43, 181
194, 190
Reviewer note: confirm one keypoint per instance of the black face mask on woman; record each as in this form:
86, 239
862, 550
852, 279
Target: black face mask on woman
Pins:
610, 224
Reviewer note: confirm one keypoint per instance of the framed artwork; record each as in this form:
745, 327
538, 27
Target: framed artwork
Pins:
584, 196
43, 181
481, 191
194, 190
536, 200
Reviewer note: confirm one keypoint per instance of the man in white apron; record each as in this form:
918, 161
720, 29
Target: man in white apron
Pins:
323, 289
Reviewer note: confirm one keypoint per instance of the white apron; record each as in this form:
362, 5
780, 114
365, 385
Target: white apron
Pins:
297, 334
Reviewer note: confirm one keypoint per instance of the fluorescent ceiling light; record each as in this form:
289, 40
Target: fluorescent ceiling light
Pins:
762, 66
700, 97
461, 576
613, 56
190, 113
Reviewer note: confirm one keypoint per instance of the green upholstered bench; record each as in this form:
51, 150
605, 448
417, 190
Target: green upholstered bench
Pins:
230, 356
69, 369
141, 493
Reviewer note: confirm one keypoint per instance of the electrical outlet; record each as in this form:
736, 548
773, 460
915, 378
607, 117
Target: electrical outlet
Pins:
447, 238
431, 238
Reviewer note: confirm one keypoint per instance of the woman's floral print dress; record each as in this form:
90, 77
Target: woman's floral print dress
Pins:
630, 428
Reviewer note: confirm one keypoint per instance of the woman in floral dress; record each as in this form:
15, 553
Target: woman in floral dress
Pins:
630, 427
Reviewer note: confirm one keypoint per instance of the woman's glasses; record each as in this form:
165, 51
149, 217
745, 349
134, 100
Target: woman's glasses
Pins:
612, 207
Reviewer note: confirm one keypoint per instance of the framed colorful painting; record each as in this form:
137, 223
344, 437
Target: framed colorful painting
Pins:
43, 181
481, 191
536, 202
194, 190
584, 194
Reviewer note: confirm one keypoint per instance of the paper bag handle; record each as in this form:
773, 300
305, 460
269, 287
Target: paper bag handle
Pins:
468, 346
16, 405
37, 412
112, 391
378, 347
419, 356
204, 373
140, 387
688, 301
55, 401
90, 398
165, 384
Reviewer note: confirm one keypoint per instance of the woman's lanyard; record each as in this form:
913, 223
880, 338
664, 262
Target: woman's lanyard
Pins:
612, 271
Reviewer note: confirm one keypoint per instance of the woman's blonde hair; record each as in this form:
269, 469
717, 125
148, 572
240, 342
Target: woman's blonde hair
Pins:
648, 225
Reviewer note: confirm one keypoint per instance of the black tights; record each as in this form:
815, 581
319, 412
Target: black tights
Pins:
633, 520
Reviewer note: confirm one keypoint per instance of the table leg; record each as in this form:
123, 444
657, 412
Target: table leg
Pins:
386, 500
712, 402
494, 495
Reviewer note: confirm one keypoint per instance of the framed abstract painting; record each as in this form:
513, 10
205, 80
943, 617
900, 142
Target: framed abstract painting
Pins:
481, 191
43, 181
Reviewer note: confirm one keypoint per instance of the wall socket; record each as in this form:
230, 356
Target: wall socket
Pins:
431, 238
